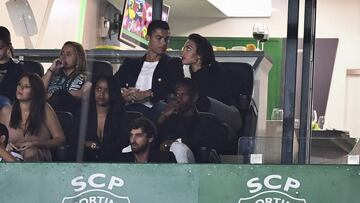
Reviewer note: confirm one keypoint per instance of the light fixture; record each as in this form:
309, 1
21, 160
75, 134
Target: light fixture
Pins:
243, 8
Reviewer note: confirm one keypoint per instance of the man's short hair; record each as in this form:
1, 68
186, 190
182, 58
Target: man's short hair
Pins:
5, 35
4, 131
157, 24
146, 125
190, 84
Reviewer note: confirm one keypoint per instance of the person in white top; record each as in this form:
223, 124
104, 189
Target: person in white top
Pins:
4, 154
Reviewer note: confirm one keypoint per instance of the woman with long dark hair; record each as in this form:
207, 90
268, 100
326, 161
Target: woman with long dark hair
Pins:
205, 70
106, 132
33, 125
214, 90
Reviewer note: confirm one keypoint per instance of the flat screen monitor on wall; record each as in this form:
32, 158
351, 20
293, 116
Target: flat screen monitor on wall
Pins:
137, 15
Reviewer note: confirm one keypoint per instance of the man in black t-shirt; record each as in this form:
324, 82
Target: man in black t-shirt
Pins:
181, 120
10, 72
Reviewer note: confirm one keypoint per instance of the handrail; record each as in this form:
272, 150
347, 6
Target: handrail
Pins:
116, 56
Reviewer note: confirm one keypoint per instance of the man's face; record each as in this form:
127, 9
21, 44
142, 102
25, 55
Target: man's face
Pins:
139, 140
4, 49
158, 41
185, 100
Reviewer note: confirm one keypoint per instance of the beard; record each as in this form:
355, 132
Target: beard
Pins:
138, 149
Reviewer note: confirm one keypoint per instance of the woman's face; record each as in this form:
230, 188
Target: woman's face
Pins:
102, 96
68, 57
23, 90
189, 55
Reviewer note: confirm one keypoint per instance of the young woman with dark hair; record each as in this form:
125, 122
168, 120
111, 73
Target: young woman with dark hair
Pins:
33, 125
214, 90
205, 71
106, 131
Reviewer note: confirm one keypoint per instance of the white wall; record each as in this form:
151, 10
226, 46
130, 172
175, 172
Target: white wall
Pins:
62, 23
340, 19
231, 27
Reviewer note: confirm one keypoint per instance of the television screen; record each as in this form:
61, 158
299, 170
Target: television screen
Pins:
137, 15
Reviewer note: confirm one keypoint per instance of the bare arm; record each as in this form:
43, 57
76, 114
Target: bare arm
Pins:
52, 123
55, 67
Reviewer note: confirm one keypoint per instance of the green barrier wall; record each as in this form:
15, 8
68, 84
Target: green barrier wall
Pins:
177, 183
274, 49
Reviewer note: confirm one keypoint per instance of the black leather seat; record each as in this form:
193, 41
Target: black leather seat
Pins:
32, 67
97, 68
210, 155
241, 79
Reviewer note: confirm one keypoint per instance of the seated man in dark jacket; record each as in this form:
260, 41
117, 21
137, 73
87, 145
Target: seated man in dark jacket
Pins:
10, 71
142, 137
147, 80
181, 120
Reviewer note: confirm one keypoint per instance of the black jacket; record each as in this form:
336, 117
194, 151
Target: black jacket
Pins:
115, 135
199, 130
212, 82
10, 73
167, 72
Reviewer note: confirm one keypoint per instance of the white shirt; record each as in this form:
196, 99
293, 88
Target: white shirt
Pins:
144, 80
182, 152
186, 69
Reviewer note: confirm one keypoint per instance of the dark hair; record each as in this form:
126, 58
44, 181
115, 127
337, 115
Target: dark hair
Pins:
5, 35
114, 96
4, 131
190, 84
37, 106
146, 125
157, 24
203, 49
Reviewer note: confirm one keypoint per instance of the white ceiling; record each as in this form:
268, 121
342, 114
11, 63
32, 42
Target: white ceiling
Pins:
184, 8
193, 8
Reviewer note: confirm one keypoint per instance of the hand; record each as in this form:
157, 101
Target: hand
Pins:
91, 145
166, 144
25, 145
11, 147
128, 94
171, 108
56, 65
142, 95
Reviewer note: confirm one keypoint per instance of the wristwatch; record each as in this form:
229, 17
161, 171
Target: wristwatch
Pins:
93, 145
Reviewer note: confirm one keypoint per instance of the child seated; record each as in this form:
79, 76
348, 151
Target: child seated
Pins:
5, 155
